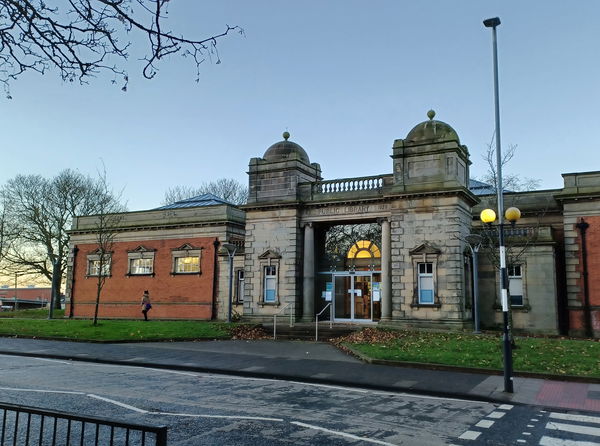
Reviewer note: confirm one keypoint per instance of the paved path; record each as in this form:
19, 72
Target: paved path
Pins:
313, 362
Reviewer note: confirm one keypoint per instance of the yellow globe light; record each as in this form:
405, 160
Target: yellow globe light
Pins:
512, 214
487, 216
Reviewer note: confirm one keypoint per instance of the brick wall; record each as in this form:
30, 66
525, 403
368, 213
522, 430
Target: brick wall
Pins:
577, 319
172, 296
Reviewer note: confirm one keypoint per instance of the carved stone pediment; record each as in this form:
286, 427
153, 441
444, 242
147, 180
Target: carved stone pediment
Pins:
141, 249
270, 254
425, 249
186, 247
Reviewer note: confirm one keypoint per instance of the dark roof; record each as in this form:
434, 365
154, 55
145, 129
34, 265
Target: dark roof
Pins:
480, 188
200, 200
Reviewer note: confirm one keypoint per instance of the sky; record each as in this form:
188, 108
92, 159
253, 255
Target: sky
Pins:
344, 77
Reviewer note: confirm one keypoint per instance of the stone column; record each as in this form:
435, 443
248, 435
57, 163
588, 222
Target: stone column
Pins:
308, 290
386, 276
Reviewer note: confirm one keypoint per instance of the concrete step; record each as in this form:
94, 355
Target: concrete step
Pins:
307, 331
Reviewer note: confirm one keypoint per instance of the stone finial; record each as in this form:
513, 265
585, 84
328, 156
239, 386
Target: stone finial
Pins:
431, 114
286, 135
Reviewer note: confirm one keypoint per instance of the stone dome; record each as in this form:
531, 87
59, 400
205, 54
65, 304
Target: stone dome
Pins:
431, 131
286, 150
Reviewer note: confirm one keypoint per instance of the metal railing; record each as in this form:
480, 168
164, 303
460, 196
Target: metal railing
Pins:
317, 319
24, 426
292, 314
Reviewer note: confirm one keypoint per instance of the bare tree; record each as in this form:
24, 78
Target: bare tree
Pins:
82, 38
518, 240
510, 182
38, 215
227, 189
108, 217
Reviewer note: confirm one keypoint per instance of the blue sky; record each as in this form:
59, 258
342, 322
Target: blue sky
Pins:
344, 77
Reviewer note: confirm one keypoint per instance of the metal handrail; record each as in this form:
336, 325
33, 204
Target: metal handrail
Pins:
83, 427
317, 320
292, 313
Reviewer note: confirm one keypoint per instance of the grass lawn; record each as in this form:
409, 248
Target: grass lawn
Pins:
39, 313
113, 330
538, 355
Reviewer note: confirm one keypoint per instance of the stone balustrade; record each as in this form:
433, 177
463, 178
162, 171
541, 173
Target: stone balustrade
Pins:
374, 183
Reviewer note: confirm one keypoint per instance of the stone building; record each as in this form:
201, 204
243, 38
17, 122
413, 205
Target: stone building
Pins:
389, 249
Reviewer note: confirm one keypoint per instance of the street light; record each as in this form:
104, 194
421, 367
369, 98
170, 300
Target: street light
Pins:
231, 248
508, 383
488, 216
474, 243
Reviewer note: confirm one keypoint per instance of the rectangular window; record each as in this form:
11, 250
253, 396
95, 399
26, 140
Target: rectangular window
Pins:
141, 266
239, 285
94, 267
270, 283
515, 285
425, 283
185, 265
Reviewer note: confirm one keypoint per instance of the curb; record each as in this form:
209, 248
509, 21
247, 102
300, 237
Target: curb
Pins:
453, 368
274, 376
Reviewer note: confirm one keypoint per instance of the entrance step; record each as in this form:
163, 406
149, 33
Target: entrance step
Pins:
306, 332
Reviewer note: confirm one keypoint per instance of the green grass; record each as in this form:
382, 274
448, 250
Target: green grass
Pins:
113, 330
555, 356
40, 313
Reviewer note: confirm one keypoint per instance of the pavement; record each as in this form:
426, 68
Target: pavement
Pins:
316, 363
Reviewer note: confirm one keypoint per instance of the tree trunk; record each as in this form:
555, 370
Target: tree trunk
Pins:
56, 281
98, 291
55, 291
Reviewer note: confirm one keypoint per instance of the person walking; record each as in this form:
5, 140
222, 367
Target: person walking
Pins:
146, 305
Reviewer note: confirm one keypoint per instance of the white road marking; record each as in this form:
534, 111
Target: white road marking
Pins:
175, 372
569, 417
54, 360
550, 441
496, 415
470, 435
67, 392
341, 434
521, 441
577, 429
506, 407
236, 417
485, 424
117, 403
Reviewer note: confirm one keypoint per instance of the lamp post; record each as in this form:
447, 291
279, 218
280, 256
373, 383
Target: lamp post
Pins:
474, 243
508, 383
488, 216
231, 248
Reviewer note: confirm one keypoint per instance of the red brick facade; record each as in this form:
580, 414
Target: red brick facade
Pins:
173, 296
592, 241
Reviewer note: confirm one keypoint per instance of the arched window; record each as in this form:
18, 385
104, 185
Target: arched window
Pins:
364, 249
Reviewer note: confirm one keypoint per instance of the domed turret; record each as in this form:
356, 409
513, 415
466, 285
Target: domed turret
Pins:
286, 150
431, 131
430, 158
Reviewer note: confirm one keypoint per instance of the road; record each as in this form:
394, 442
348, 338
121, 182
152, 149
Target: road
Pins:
204, 409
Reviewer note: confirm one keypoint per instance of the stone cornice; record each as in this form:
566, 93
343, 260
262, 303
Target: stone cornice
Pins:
159, 227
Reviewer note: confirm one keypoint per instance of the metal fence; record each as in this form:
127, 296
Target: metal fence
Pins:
25, 426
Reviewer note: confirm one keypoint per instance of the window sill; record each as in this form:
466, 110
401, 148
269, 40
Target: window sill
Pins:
141, 275
525, 308
95, 276
269, 304
425, 305
197, 273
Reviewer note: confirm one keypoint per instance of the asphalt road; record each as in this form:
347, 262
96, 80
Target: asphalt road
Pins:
202, 409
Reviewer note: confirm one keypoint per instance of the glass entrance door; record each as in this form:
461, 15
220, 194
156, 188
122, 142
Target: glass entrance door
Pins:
352, 297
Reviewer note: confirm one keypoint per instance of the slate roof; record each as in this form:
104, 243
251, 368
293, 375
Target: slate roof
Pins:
200, 200
480, 188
